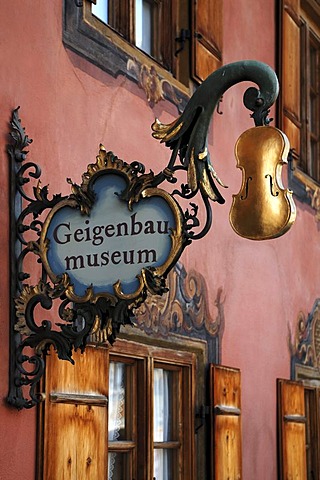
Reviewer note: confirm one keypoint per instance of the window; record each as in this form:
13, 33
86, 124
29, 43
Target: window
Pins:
151, 413
300, 82
137, 411
125, 413
310, 101
179, 39
143, 23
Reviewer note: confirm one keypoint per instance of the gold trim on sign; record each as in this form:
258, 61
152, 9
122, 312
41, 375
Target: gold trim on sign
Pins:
82, 199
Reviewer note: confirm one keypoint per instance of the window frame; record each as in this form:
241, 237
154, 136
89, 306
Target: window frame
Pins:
181, 350
163, 13
310, 130
184, 362
200, 52
98, 43
292, 15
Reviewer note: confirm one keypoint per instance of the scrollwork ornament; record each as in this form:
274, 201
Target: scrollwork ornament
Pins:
314, 194
183, 309
305, 345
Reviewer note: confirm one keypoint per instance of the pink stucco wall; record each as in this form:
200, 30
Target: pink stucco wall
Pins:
68, 107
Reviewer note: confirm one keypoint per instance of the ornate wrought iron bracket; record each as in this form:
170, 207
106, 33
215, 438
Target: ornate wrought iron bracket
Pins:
187, 136
31, 335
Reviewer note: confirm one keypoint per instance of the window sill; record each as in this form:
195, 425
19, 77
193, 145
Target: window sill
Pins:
306, 189
309, 182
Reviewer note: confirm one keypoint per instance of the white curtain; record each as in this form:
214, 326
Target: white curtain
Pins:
116, 415
143, 26
161, 422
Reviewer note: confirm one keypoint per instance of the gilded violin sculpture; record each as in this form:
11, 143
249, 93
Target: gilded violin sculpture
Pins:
263, 208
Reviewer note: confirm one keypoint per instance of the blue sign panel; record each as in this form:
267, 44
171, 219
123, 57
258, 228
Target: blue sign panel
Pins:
112, 243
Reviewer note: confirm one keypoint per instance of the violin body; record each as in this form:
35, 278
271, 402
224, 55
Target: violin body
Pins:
263, 208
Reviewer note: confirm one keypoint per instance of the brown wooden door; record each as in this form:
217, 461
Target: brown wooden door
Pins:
292, 431
75, 417
225, 398
207, 38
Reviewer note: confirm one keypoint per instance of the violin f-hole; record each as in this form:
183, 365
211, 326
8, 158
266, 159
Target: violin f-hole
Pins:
271, 186
244, 197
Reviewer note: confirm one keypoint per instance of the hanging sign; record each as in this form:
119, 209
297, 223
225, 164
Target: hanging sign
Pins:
113, 235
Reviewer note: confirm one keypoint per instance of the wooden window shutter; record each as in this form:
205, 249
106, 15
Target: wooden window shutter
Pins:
290, 71
206, 37
75, 417
225, 399
292, 430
